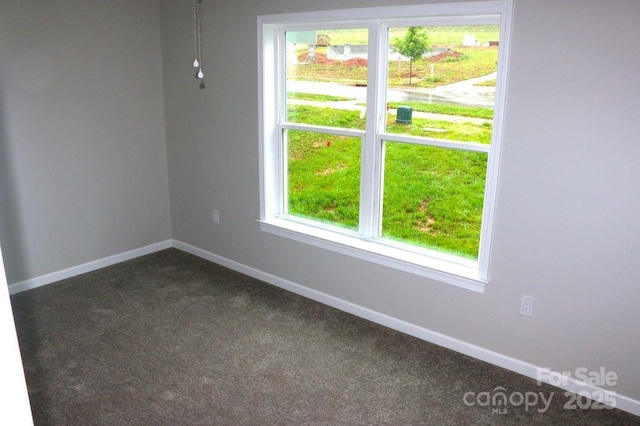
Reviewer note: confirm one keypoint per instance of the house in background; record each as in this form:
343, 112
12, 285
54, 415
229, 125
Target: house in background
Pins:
110, 149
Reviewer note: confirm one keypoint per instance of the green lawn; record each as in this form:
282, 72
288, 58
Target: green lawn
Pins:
324, 177
462, 111
316, 97
473, 62
432, 196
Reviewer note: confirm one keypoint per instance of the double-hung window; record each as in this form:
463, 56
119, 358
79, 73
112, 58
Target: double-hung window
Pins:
380, 133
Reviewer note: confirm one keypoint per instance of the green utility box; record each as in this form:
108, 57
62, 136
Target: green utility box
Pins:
404, 115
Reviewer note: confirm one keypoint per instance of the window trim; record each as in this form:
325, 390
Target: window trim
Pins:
472, 275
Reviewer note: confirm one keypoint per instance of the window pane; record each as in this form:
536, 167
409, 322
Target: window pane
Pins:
441, 81
324, 177
326, 77
433, 197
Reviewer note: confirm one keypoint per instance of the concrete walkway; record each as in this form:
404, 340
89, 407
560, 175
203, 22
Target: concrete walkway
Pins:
466, 90
462, 93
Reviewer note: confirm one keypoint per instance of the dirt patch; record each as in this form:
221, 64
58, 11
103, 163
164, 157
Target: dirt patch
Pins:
321, 59
318, 144
425, 224
355, 62
444, 55
414, 73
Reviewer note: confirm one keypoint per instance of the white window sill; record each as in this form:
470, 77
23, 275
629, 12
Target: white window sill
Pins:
440, 267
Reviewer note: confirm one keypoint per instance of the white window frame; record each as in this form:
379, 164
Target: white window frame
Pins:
364, 244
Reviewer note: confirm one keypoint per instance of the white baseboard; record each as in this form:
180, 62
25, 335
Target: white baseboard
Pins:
87, 267
533, 371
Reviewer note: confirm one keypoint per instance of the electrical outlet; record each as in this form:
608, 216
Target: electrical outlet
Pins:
215, 216
526, 305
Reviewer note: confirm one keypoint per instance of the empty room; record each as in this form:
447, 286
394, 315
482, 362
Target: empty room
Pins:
303, 212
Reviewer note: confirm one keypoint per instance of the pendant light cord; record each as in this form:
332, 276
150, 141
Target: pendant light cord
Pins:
197, 38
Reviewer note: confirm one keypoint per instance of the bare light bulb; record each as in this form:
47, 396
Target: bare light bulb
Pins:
200, 74
196, 64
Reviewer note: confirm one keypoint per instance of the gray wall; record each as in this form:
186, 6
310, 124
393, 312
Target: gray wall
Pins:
566, 232
83, 169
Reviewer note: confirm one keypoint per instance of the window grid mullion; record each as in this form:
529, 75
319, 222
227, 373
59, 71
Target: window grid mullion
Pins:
368, 176
324, 129
380, 122
437, 143
281, 94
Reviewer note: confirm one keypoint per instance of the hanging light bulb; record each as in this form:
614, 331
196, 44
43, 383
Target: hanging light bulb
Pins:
197, 47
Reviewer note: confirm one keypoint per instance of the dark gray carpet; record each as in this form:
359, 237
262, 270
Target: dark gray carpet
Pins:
171, 339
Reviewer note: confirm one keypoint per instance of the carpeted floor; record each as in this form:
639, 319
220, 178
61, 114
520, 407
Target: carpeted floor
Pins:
171, 339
